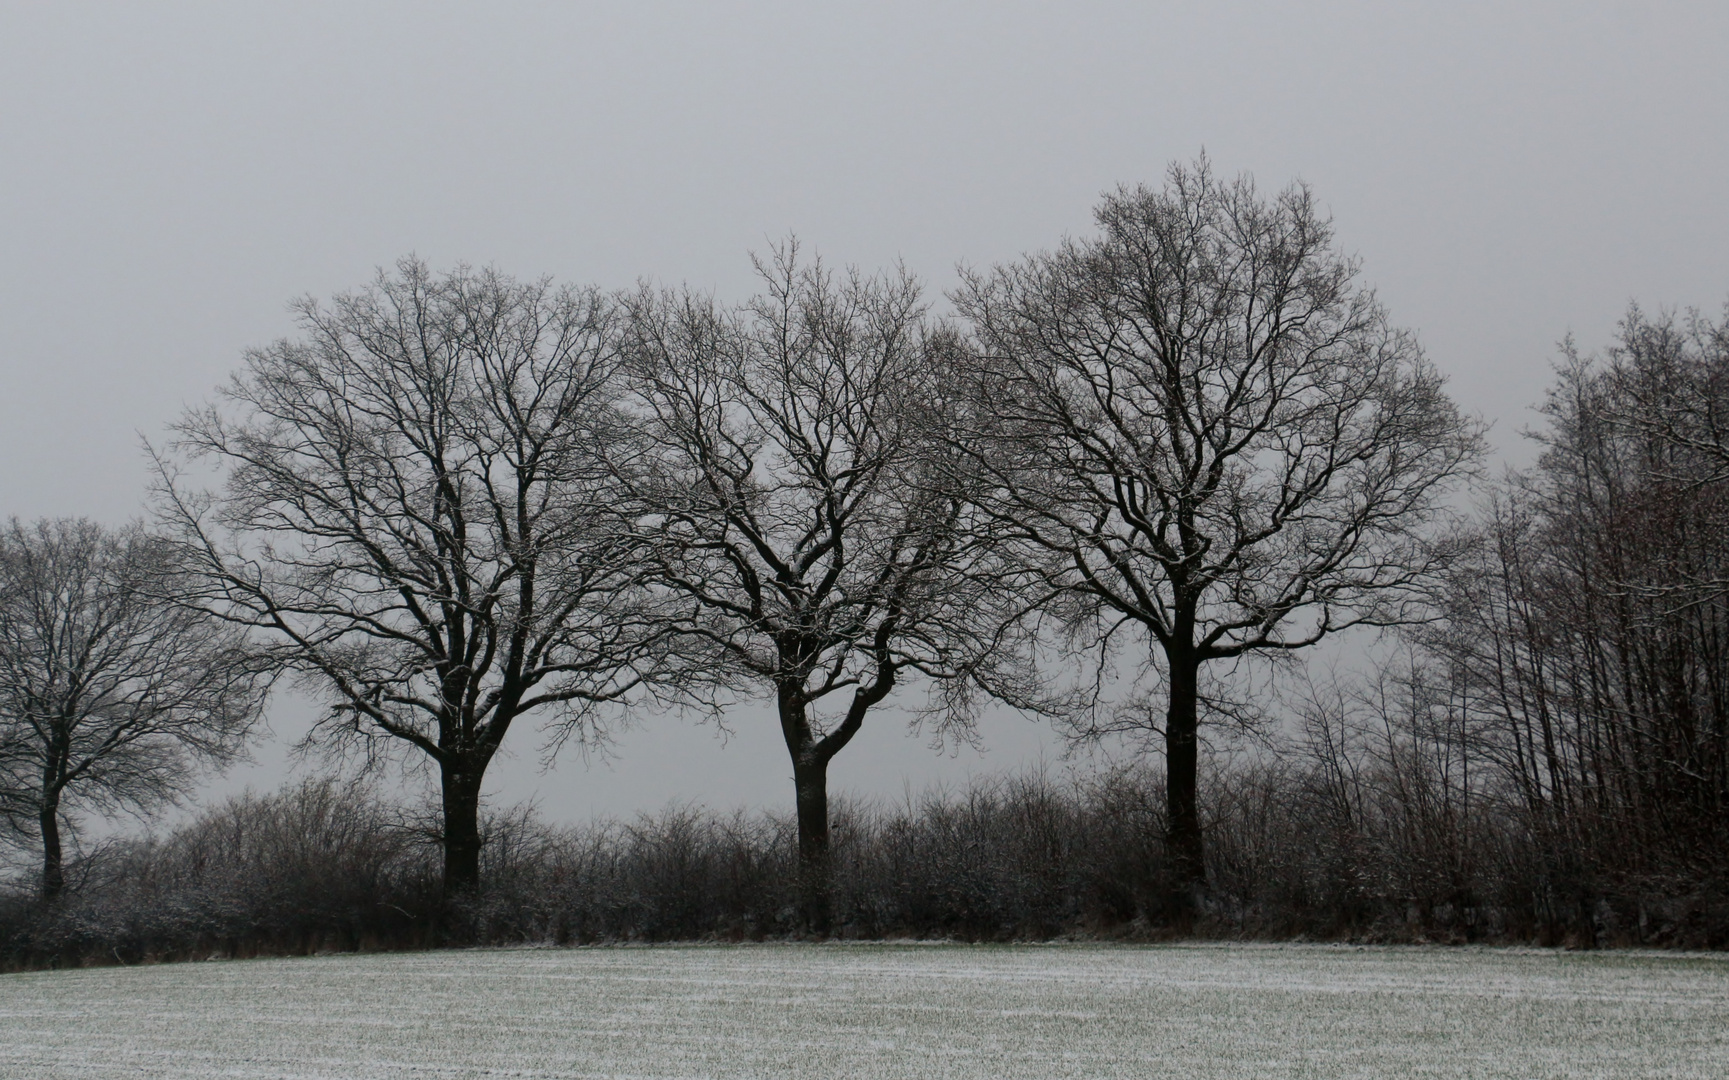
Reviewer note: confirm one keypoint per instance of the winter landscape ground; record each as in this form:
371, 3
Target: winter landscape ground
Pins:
883, 1011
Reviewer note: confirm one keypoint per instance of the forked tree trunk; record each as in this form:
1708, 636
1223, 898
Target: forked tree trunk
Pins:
810, 784
810, 761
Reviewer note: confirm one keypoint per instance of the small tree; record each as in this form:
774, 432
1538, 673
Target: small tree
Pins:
1211, 433
805, 509
423, 518
111, 694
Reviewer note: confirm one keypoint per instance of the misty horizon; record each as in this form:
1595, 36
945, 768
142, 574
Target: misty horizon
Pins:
175, 177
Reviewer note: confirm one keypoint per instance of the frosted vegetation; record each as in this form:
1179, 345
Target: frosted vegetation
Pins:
455, 507
882, 1011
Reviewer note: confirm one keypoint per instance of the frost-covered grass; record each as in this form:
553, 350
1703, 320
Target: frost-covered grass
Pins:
882, 1011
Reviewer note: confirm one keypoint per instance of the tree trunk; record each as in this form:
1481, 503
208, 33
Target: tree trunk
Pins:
1182, 764
810, 758
810, 777
461, 804
810, 783
53, 863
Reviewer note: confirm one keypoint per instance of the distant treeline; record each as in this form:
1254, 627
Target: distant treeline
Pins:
1125, 489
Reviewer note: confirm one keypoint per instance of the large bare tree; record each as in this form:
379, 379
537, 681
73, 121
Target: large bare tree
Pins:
112, 695
422, 517
1210, 431
807, 512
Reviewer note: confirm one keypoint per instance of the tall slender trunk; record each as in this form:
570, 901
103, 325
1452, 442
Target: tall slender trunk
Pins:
1182, 765
53, 863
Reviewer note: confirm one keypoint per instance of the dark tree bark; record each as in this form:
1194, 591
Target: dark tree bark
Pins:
53, 861
811, 755
1197, 425
810, 786
459, 784
1182, 775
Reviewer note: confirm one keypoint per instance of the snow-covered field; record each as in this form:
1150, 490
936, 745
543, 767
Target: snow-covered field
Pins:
882, 1011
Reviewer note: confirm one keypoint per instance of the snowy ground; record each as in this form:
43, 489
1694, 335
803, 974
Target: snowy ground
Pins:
882, 1011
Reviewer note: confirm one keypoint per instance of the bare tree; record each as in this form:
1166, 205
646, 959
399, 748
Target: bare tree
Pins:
1588, 636
1669, 381
808, 514
111, 694
422, 518
1214, 435
1659, 401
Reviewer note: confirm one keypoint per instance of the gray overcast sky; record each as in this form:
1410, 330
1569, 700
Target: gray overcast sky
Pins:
171, 174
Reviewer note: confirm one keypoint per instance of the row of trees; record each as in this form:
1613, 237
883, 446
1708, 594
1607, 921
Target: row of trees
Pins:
1184, 445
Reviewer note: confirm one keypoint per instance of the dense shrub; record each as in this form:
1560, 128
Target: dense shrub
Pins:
315, 866
326, 866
